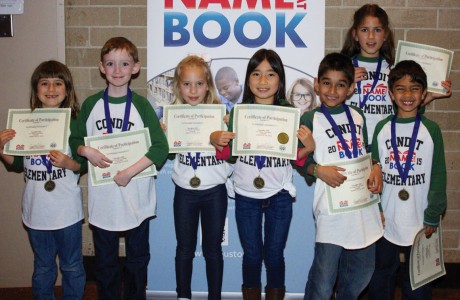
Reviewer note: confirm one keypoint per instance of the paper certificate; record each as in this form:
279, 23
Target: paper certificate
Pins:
435, 61
124, 149
269, 130
188, 127
426, 259
38, 131
353, 194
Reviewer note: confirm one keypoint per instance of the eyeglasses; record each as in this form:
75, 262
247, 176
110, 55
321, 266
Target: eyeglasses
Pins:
298, 97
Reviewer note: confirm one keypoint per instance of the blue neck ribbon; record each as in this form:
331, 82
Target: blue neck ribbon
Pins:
374, 84
108, 118
337, 132
404, 172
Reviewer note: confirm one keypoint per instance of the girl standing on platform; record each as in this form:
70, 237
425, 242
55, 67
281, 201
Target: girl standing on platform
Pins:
52, 205
200, 190
264, 191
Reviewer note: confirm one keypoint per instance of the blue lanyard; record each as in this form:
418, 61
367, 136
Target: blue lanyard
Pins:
404, 173
260, 161
47, 164
374, 84
337, 132
108, 118
194, 160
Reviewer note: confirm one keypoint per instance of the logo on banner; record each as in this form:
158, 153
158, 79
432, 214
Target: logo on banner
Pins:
213, 29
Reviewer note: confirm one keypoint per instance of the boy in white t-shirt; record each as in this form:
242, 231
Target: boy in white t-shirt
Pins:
414, 196
344, 247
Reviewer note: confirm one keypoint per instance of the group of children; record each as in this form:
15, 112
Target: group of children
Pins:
353, 249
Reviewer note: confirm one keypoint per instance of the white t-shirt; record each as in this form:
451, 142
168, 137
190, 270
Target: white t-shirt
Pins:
57, 209
210, 170
378, 105
351, 230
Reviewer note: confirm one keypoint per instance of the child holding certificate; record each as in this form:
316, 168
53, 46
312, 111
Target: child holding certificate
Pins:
344, 247
410, 149
370, 44
51, 205
124, 206
264, 191
200, 188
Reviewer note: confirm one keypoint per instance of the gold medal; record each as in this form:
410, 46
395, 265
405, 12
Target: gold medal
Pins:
259, 182
195, 182
49, 186
283, 138
403, 195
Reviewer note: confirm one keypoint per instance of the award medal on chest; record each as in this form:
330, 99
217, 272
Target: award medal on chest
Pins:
403, 170
403, 195
195, 182
259, 182
50, 185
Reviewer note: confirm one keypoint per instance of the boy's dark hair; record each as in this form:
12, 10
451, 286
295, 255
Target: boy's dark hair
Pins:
407, 68
337, 62
276, 63
120, 43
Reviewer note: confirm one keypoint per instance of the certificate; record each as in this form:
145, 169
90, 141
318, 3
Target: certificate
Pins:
426, 259
435, 61
188, 127
269, 130
38, 131
353, 194
123, 149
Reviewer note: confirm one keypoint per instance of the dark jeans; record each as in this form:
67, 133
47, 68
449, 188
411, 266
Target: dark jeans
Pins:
274, 214
189, 207
382, 285
108, 278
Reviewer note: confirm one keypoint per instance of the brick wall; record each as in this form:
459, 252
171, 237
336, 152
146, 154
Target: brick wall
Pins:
89, 23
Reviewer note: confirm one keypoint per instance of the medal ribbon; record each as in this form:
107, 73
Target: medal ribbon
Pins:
404, 173
108, 118
260, 161
337, 132
47, 163
194, 160
374, 84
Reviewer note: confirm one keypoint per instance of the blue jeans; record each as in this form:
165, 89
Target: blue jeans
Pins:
382, 285
274, 214
352, 267
107, 275
189, 206
66, 244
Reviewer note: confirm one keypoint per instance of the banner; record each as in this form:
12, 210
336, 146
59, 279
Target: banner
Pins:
227, 33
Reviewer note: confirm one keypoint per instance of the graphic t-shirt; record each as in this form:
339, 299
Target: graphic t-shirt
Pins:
378, 104
425, 184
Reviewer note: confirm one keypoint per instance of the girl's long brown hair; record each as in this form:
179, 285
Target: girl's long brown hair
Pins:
54, 69
351, 47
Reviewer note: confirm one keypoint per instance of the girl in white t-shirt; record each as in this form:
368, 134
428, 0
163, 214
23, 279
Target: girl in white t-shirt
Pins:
51, 205
370, 44
264, 191
200, 195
